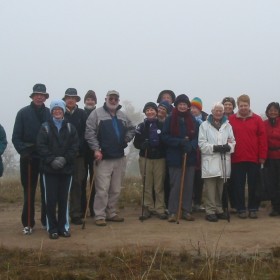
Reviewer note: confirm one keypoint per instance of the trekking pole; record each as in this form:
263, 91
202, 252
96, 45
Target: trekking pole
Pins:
182, 187
141, 218
29, 196
224, 167
88, 198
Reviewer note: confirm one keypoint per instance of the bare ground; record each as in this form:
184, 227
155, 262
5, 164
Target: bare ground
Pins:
237, 237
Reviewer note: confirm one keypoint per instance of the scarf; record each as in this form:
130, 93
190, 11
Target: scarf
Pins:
188, 121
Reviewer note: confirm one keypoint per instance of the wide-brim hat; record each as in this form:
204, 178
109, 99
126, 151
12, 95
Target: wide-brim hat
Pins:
40, 89
71, 92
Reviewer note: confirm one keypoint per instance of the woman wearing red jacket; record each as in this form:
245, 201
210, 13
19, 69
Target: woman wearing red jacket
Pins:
250, 153
272, 125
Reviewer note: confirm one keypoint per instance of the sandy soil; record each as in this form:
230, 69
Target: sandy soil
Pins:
238, 236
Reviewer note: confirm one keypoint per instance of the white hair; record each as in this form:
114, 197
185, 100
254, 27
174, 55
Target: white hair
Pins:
217, 105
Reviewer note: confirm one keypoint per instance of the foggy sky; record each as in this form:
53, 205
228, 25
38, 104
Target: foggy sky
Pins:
210, 49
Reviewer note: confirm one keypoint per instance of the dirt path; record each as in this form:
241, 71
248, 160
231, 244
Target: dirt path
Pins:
238, 236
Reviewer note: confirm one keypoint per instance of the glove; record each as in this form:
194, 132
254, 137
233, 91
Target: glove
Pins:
188, 147
184, 141
218, 149
58, 163
145, 145
226, 148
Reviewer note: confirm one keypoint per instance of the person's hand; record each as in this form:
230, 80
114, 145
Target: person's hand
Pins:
58, 163
218, 149
98, 155
226, 148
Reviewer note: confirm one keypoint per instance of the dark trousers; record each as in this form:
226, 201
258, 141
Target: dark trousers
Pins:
29, 172
197, 187
240, 172
273, 182
57, 189
88, 171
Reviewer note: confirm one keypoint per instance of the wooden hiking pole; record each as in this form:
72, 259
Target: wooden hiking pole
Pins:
225, 187
88, 198
182, 187
144, 188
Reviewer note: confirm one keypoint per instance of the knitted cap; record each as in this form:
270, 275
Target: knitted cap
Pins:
182, 98
165, 105
90, 94
168, 91
229, 99
58, 103
150, 105
197, 102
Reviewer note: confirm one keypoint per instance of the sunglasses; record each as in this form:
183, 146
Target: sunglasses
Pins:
111, 98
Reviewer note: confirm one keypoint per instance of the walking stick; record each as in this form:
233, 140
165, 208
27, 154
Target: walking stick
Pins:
182, 187
141, 218
224, 167
88, 198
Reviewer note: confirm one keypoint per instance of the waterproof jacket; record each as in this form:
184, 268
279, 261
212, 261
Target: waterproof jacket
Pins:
250, 136
3, 145
142, 134
78, 118
27, 125
52, 144
109, 134
174, 149
273, 138
212, 164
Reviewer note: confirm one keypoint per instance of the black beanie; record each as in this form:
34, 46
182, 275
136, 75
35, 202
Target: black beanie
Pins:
182, 98
150, 105
168, 91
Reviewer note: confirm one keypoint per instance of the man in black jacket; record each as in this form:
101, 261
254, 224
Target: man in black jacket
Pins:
27, 124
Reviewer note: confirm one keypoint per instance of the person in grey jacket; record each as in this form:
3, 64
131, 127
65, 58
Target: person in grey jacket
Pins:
108, 131
216, 142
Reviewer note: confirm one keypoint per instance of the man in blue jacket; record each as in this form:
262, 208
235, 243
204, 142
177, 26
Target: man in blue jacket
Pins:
27, 125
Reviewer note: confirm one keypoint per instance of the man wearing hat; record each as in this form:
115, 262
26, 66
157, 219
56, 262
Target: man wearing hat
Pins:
108, 131
77, 117
27, 125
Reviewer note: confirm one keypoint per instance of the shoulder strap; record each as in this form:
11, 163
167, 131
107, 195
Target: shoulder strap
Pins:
46, 126
69, 127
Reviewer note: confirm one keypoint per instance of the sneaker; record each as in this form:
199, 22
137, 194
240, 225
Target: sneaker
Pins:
172, 218
53, 235
242, 215
211, 218
115, 218
27, 230
64, 234
274, 213
100, 223
222, 216
77, 221
162, 216
253, 215
188, 217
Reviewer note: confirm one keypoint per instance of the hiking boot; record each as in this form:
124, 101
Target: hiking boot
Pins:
64, 234
188, 217
172, 218
274, 213
53, 235
101, 223
76, 221
222, 216
253, 215
116, 218
146, 214
162, 216
242, 215
27, 230
211, 218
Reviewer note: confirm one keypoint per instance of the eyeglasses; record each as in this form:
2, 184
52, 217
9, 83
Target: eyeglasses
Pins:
111, 98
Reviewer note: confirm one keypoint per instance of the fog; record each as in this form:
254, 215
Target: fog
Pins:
210, 49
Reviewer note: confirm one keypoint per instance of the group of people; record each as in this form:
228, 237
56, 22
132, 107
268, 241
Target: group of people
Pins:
183, 152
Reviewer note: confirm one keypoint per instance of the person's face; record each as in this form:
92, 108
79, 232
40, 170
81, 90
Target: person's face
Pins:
162, 113
90, 102
182, 107
228, 108
217, 113
112, 101
38, 99
166, 97
243, 108
195, 111
273, 112
57, 113
150, 113
70, 101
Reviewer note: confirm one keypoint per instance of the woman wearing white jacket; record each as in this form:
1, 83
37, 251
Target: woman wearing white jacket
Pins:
216, 142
